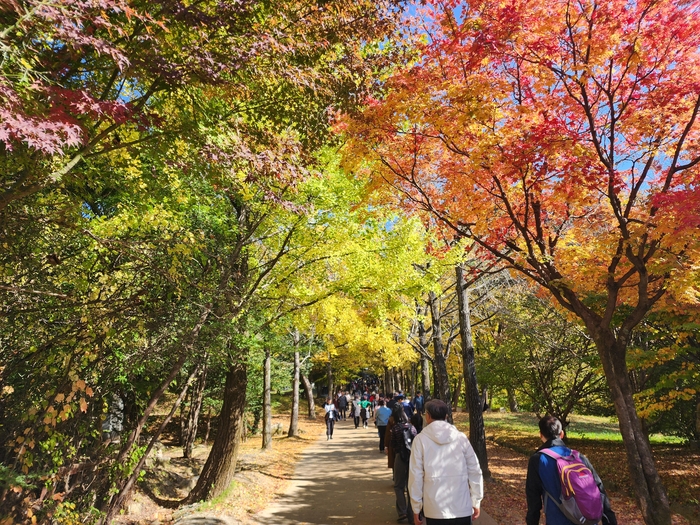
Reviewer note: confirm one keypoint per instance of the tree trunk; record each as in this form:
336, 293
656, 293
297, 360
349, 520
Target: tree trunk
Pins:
456, 392
512, 400
267, 402
441, 378
414, 379
191, 339
309, 396
294, 419
196, 400
649, 490
218, 471
477, 433
122, 497
697, 419
484, 398
329, 371
208, 430
425, 376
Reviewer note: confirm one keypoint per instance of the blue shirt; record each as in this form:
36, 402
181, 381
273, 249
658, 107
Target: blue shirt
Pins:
383, 415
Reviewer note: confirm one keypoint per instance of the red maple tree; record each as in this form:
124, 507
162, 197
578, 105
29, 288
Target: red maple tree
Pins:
562, 138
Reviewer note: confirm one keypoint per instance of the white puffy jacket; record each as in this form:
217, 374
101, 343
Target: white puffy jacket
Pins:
444, 476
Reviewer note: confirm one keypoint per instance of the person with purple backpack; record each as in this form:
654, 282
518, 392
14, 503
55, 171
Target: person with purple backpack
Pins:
564, 482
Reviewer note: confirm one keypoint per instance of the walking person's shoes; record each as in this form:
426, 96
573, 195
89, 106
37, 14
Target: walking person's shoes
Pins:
401, 518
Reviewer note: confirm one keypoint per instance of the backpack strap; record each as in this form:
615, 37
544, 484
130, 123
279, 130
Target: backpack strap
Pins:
549, 452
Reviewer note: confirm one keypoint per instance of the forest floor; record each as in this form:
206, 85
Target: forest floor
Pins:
511, 438
260, 477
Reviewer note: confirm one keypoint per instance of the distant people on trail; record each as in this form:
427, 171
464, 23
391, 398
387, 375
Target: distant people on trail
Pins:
419, 403
381, 420
445, 483
342, 406
329, 407
348, 401
407, 406
366, 406
543, 482
400, 432
391, 403
356, 410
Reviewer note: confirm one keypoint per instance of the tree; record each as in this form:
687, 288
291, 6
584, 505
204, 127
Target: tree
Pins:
562, 138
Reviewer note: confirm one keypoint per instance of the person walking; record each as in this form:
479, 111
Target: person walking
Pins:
342, 406
407, 406
381, 420
445, 483
356, 410
366, 406
419, 403
329, 407
401, 460
543, 483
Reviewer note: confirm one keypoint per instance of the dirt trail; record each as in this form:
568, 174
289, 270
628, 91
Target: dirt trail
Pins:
339, 482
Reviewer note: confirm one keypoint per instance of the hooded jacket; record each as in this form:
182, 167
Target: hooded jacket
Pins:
444, 476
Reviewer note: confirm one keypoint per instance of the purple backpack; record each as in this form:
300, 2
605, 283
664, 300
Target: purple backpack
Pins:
581, 500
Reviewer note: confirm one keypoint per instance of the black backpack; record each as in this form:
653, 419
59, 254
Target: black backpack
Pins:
405, 449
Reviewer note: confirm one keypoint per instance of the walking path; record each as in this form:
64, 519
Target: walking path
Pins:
340, 482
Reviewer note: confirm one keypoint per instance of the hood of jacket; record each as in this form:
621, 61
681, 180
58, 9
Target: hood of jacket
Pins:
441, 432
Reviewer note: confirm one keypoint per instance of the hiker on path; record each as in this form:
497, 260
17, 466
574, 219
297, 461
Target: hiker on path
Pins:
342, 406
381, 420
356, 410
445, 481
543, 480
329, 407
366, 406
401, 459
419, 403
391, 402
407, 406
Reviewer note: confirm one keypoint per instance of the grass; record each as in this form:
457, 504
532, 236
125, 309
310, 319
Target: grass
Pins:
581, 428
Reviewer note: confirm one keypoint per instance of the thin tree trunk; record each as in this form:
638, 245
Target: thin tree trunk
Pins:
477, 432
329, 370
206, 433
484, 398
309, 396
441, 377
425, 376
192, 338
512, 400
697, 419
267, 402
455, 394
294, 419
218, 471
196, 400
125, 491
649, 490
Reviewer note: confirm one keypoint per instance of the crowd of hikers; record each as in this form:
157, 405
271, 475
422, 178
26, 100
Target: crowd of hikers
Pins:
436, 474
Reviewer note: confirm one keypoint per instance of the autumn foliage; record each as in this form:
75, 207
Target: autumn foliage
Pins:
562, 138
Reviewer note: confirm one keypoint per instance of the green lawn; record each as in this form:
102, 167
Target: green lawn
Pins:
593, 428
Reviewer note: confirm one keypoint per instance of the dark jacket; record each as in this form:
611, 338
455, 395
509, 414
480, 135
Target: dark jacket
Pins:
542, 476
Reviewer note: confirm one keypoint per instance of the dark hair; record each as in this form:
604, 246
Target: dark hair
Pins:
380, 402
417, 421
399, 415
437, 409
550, 427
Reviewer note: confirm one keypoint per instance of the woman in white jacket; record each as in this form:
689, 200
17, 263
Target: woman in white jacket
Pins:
444, 478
